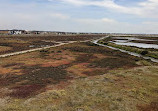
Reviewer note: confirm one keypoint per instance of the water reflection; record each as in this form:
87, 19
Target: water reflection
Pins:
127, 41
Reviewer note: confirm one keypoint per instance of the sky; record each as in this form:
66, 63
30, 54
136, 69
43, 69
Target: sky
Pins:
107, 16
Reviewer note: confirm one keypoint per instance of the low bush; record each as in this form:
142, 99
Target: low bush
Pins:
44, 51
144, 52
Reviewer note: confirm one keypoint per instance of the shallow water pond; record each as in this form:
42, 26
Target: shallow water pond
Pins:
128, 42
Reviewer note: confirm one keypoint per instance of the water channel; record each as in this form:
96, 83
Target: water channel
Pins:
131, 53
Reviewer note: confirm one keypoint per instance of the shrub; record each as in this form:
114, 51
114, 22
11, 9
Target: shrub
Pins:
91, 44
144, 52
59, 51
105, 43
46, 51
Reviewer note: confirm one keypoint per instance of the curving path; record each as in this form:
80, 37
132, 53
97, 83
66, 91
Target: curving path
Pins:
36, 49
128, 52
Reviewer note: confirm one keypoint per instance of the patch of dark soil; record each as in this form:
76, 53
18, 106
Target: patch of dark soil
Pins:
89, 49
34, 80
111, 63
26, 91
37, 75
101, 50
153, 106
44, 75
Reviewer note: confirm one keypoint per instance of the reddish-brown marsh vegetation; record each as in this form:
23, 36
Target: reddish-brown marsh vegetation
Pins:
77, 76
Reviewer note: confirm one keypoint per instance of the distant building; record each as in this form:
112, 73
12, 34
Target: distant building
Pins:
61, 33
12, 32
17, 31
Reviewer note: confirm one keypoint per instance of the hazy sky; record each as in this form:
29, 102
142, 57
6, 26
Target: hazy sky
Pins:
124, 16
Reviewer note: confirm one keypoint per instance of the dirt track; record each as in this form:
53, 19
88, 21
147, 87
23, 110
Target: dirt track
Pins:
36, 49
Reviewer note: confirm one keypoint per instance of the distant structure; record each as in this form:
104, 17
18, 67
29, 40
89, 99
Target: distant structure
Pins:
33, 32
17, 31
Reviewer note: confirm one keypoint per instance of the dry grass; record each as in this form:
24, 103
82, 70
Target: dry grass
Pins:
4, 48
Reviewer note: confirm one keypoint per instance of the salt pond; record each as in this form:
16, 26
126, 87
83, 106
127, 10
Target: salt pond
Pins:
126, 41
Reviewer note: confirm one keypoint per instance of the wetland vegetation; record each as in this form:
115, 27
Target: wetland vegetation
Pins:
80, 76
150, 52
